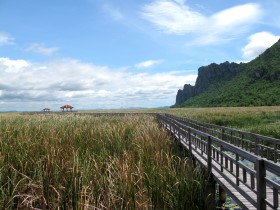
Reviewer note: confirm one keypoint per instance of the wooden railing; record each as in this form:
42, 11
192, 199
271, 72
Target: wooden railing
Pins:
245, 174
263, 146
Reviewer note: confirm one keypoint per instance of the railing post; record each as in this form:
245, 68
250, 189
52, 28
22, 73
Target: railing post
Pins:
190, 140
223, 134
257, 146
261, 186
237, 168
209, 155
179, 133
211, 186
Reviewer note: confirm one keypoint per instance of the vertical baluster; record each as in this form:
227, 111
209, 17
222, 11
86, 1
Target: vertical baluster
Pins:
226, 162
267, 154
242, 141
275, 153
195, 141
200, 143
218, 156
244, 175
222, 158
223, 134
179, 133
252, 181
257, 142
275, 198
237, 169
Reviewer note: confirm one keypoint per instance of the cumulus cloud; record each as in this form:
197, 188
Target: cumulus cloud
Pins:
148, 63
13, 65
176, 17
258, 43
84, 85
5, 39
41, 49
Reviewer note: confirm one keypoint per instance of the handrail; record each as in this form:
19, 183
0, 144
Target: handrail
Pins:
249, 134
255, 183
263, 146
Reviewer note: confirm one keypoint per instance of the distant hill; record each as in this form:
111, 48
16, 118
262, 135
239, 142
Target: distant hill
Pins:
256, 83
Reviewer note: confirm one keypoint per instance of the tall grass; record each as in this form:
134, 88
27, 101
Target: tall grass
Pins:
261, 120
86, 162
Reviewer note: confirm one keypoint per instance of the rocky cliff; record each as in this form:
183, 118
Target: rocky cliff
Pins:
207, 76
256, 83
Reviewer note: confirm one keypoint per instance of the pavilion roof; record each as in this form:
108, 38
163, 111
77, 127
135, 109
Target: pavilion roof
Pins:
66, 106
46, 108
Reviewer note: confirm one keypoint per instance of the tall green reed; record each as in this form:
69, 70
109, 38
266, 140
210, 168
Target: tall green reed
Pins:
86, 162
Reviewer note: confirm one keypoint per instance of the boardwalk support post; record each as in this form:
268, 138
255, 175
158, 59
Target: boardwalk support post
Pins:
211, 186
222, 196
210, 191
261, 186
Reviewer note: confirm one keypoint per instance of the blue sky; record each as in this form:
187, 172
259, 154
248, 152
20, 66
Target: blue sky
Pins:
110, 54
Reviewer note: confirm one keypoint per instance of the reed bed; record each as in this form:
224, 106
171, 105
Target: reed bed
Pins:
86, 162
262, 120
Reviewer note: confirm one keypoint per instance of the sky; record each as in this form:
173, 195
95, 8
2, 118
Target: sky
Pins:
115, 54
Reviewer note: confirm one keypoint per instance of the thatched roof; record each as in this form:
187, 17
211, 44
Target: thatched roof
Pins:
66, 106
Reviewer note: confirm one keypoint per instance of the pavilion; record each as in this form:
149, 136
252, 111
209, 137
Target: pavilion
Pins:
46, 109
67, 107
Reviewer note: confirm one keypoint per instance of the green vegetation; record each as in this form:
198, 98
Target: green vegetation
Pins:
257, 84
86, 162
261, 120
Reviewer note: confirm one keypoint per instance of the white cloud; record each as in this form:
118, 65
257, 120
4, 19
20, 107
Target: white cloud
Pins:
148, 63
13, 65
258, 43
6, 39
41, 49
175, 17
84, 85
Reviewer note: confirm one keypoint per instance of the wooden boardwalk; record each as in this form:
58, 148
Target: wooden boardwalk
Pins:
249, 178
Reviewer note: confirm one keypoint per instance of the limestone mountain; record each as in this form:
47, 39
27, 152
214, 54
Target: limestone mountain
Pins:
256, 83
